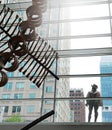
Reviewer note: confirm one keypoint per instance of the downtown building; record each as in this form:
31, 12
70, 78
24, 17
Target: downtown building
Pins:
77, 106
19, 95
106, 88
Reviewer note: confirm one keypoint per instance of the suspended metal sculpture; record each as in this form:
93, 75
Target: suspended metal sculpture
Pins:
22, 47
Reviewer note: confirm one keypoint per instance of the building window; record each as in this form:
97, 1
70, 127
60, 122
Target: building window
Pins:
32, 95
18, 96
6, 96
10, 74
6, 109
31, 109
8, 86
49, 89
20, 74
33, 86
16, 109
20, 85
48, 102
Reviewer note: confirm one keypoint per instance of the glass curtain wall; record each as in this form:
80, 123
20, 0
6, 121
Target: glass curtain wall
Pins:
81, 32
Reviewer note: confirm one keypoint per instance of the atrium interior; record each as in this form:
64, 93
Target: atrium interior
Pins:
79, 32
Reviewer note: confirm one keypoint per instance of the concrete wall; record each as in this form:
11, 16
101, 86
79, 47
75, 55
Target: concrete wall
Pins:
59, 126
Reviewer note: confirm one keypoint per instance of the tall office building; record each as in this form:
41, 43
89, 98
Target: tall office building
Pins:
77, 106
106, 88
19, 95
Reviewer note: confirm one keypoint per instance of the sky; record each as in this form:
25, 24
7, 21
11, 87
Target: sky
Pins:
85, 65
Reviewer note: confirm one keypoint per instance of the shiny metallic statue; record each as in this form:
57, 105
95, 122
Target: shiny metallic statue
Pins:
93, 103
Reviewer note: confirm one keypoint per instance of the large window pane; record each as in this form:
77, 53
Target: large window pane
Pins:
86, 11
96, 42
85, 28
80, 30
85, 65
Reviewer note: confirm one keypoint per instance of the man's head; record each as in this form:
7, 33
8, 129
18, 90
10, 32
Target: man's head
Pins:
94, 87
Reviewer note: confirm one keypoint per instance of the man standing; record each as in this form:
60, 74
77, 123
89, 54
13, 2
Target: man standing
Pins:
93, 103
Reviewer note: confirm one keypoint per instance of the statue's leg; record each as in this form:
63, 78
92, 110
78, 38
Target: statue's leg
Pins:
96, 112
90, 112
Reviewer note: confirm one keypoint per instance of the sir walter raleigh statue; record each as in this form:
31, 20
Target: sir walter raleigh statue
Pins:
93, 103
